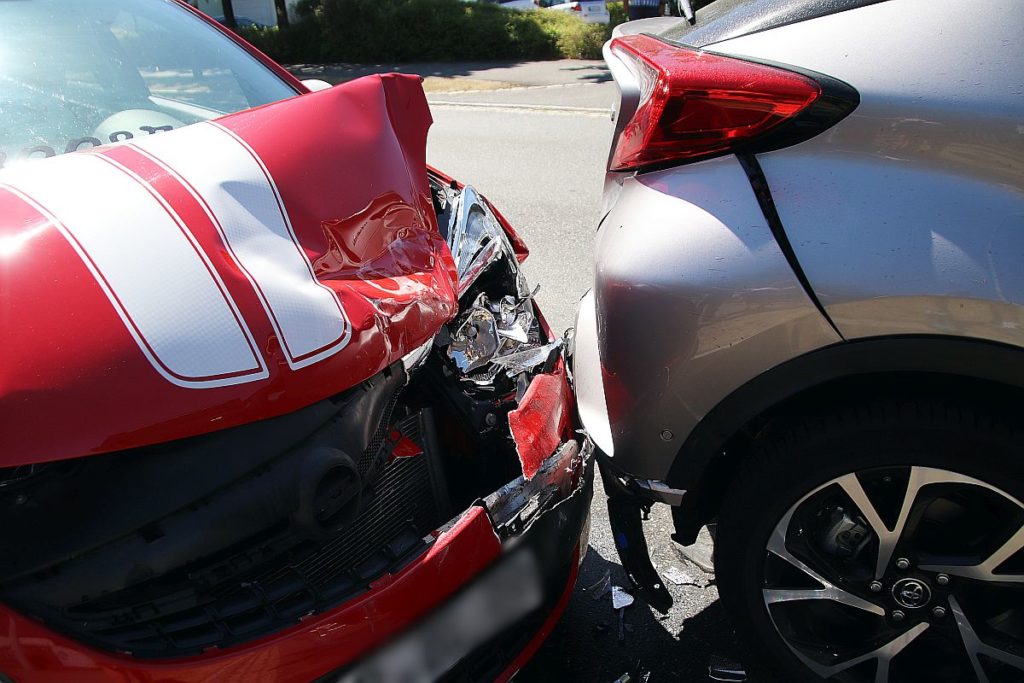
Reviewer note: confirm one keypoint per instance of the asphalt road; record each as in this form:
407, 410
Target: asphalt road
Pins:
538, 152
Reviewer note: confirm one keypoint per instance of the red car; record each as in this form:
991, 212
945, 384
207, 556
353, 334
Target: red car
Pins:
276, 401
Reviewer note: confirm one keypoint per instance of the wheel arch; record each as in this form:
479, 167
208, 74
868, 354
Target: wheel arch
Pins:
707, 461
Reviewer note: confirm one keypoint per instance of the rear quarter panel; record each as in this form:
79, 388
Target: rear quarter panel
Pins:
693, 298
908, 216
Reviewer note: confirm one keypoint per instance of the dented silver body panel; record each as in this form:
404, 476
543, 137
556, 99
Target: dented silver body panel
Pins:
692, 298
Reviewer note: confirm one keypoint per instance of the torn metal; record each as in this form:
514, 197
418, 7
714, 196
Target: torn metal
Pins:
497, 348
498, 333
515, 506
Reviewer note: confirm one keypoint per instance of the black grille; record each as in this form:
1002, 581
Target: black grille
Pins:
267, 583
371, 455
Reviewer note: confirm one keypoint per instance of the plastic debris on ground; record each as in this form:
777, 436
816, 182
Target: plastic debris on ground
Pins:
722, 669
602, 586
620, 601
620, 598
680, 578
702, 553
639, 674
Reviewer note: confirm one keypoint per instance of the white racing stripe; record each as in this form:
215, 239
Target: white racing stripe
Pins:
149, 265
239, 195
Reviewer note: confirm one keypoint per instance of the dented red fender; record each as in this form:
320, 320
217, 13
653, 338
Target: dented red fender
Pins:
219, 274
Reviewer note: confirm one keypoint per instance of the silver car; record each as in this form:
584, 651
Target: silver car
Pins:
807, 325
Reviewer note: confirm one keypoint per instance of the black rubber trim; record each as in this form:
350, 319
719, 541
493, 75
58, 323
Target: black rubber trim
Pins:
837, 100
764, 197
626, 512
927, 354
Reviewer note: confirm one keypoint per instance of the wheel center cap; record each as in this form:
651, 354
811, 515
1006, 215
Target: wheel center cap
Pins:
911, 593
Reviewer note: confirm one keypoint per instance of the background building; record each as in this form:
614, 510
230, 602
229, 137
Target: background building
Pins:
259, 11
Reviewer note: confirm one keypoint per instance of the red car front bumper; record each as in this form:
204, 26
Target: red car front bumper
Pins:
540, 524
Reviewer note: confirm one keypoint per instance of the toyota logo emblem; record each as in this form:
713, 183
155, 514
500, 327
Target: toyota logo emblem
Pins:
911, 593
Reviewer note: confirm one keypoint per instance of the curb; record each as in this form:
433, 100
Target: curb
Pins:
591, 111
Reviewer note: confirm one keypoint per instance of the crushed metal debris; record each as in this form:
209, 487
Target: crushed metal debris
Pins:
722, 669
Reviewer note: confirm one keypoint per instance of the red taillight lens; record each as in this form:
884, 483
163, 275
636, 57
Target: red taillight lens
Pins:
577, 7
696, 104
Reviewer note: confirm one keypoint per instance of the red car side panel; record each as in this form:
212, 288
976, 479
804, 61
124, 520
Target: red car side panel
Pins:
347, 171
322, 644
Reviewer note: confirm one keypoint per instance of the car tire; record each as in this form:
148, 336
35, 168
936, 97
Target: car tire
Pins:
928, 612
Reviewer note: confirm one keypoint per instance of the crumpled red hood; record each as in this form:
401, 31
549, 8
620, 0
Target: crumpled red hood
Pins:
218, 274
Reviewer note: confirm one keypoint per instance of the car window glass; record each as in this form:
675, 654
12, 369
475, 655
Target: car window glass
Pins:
78, 74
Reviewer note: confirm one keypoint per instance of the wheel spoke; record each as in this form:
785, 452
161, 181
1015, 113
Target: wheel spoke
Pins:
829, 591
975, 646
986, 571
883, 655
889, 538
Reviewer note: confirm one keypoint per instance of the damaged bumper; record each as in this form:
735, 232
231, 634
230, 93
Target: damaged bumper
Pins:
629, 499
496, 622
477, 603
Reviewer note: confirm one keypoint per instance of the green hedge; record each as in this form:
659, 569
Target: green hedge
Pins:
429, 30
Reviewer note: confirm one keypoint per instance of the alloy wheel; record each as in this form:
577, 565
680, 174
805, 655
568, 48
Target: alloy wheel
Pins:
901, 574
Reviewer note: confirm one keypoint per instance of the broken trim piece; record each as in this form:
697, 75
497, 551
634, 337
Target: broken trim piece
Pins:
542, 419
660, 491
515, 506
645, 490
626, 513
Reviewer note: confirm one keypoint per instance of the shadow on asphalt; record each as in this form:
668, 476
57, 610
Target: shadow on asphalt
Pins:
351, 71
585, 646
595, 72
